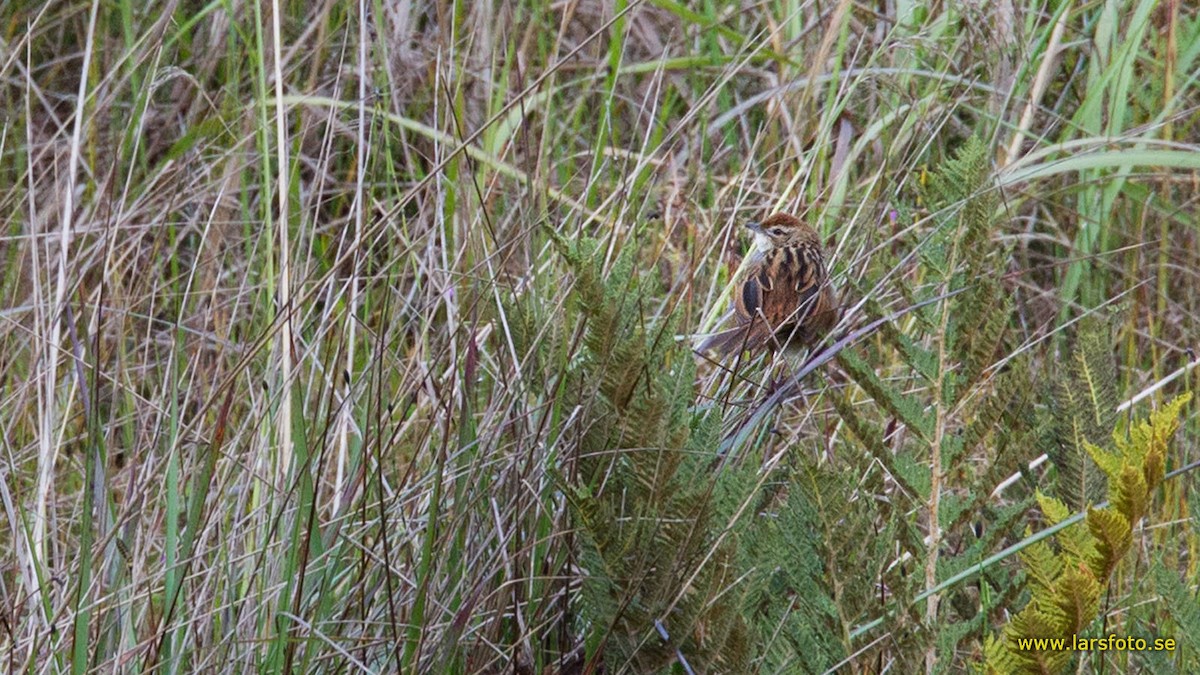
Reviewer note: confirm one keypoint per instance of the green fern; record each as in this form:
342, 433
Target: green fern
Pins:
956, 412
906, 408
906, 473
680, 562
658, 585
1066, 585
1083, 410
1183, 609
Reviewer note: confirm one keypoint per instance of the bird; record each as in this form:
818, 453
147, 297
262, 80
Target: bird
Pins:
784, 300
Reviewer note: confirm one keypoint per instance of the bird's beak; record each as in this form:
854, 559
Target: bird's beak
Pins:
754, 226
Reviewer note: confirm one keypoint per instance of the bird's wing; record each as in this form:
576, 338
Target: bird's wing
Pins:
783, 288
797, 273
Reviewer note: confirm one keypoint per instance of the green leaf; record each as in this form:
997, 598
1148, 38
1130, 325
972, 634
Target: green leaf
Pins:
1055, 510
1109, 462
1078, 597
1113, 538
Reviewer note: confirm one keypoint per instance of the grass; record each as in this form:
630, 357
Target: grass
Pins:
289, 358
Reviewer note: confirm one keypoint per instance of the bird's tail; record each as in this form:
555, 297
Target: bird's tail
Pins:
724, 342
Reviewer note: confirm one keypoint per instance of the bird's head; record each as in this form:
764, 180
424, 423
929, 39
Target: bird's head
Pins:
782, 229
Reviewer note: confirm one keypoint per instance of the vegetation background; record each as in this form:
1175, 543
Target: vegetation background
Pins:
352, 336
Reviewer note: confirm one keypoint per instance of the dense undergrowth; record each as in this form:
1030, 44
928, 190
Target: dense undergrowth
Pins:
357, 336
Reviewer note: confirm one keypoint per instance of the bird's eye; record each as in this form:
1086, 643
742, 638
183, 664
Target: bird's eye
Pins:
776, 231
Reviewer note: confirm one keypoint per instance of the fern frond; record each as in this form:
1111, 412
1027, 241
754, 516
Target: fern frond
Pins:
1075, 540
1129, 494
1181, 604
1077, 597
1084, 408
904, 408
1096, 376
870, 439
1150, 437
1066, 587
984, 317
1113, 538
1042, 564
1031, 622
997, 658
659, 582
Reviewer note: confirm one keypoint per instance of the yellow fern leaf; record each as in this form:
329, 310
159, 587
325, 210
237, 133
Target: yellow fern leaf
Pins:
1109, 462
1113, 538
1078, 597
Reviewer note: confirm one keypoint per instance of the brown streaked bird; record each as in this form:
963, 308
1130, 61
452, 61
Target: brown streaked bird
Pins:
784, 299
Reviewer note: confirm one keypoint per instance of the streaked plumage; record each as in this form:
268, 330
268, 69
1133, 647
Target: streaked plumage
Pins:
784, 299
